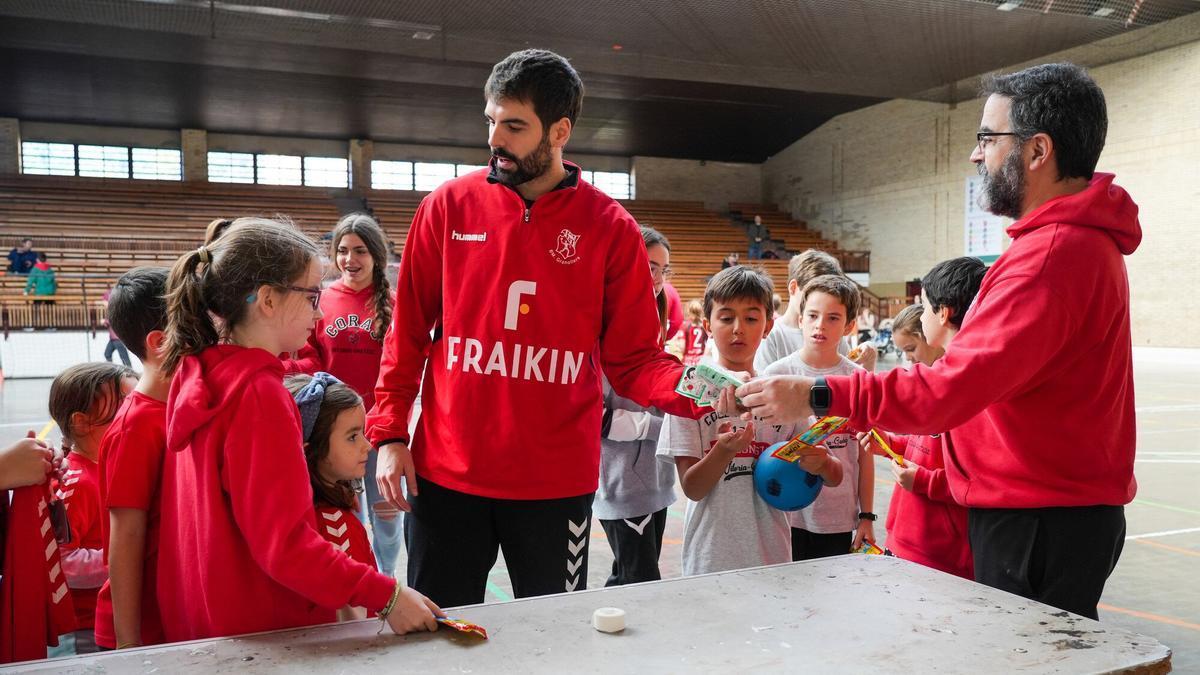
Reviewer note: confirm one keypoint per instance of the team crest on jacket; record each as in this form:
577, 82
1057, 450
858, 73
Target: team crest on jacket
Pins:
564, 253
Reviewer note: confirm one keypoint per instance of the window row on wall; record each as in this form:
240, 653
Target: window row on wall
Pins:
109, 161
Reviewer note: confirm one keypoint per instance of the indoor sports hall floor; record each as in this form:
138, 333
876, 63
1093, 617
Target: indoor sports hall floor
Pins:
1154, 589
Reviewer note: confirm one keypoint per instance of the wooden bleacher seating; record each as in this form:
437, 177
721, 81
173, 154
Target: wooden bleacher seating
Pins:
93, 230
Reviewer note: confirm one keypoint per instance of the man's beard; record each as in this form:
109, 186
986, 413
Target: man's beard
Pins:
534, 165
1004, 191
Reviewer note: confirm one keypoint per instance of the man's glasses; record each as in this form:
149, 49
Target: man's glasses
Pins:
314, 297
983, 137
660, 272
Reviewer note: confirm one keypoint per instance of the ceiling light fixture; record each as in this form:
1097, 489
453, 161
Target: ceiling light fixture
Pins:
1008, 6
1103, 12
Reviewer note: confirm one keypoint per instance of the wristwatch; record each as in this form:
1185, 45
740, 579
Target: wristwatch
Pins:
820, 397
868, 516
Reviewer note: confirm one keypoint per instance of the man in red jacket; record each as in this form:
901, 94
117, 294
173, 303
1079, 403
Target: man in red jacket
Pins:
1038, 387
530, 281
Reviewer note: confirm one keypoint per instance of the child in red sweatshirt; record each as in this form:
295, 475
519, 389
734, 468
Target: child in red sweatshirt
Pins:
924, 524
239, 551
83, 401
131, 458
332, 421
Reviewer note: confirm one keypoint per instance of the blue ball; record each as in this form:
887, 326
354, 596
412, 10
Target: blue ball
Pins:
782, 484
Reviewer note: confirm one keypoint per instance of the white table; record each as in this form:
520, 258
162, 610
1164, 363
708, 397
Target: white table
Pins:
847, 614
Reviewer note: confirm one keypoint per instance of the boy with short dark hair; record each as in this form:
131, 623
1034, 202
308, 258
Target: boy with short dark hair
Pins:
841, 517
132, 454
947, 292
925, 524
727, 525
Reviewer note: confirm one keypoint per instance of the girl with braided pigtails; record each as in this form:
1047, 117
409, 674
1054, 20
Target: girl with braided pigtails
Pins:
348, 344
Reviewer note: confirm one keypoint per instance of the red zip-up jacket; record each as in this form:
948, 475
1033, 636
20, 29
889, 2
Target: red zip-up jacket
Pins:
925, 525
1037, 387
239, 550
341, 344
526, 306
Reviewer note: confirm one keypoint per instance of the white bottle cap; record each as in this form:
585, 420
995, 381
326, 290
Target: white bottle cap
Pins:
609, 620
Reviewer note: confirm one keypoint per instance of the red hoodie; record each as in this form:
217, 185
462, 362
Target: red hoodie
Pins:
526, 306
1038, 384
238, 547
924, 525
341, 344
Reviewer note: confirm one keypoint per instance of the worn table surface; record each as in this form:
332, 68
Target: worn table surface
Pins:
848, 614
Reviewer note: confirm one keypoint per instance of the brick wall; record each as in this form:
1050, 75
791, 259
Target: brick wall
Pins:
890, 178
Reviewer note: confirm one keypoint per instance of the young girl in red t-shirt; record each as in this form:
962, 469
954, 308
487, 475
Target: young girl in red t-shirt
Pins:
332, 418
83, 401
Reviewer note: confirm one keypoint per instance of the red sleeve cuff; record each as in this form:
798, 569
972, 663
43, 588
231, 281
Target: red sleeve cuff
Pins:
839, 390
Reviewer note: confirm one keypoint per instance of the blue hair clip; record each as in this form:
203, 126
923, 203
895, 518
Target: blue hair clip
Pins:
251, 298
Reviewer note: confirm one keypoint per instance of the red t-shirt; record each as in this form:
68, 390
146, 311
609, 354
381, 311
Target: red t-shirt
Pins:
694, 340
80, 493
131, 455
343, 529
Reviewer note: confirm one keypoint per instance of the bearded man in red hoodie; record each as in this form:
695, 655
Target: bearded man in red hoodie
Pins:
517, 285
1037, 389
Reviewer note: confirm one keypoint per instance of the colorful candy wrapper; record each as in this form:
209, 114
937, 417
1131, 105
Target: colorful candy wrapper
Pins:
819, 431
887, 448
463, 626
869, 548
855, 353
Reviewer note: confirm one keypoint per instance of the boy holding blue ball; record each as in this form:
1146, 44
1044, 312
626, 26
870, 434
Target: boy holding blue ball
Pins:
840, 519
727, 525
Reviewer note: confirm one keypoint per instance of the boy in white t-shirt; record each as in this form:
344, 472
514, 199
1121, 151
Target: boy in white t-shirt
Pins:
840, 518
727, 525
787, 337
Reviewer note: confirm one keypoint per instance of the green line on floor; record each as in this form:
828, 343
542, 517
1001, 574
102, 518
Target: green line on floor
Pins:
496, 591
1169, 507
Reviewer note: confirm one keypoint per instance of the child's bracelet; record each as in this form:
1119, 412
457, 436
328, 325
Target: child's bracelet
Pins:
391, 603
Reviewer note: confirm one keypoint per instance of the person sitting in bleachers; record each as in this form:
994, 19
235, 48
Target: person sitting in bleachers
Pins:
21, 259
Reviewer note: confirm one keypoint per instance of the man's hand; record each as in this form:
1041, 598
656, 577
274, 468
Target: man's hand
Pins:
396, 463
907, 475
777, 399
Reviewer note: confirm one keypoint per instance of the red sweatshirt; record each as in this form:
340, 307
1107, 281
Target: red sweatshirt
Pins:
131, 456
925, 525
1038, 385
239, 551
341, 344
526, 307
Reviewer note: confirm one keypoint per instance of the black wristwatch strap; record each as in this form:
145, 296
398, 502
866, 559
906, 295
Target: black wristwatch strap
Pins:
866, 515
820, 398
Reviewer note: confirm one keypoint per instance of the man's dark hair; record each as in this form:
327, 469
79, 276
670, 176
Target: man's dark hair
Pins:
41, 256
541, 78
953, 283
136, 306
1062, 101
740, 282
